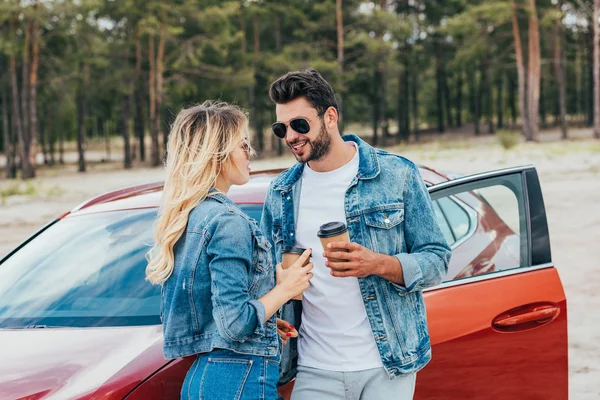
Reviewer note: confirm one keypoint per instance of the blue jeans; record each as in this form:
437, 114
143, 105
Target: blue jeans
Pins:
227, 375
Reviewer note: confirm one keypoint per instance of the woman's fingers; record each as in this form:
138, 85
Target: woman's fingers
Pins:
303, 258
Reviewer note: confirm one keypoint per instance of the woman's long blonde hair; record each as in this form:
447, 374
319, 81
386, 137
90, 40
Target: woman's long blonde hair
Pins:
200, 142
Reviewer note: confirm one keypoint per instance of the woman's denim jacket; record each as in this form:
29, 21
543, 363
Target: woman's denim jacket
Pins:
388, 210
222, 266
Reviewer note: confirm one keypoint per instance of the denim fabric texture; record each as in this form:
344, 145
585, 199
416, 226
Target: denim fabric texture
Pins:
223, 265
226, 375
388, 210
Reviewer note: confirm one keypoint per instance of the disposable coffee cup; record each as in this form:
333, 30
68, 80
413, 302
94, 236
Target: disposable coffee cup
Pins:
289, 255
333, 232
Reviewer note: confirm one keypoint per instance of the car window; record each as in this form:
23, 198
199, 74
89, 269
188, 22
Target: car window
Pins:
443, 223
453, 218
484, 223
83, 271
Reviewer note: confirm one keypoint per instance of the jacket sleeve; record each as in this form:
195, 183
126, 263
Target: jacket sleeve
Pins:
266, 221
425, 263
230, 251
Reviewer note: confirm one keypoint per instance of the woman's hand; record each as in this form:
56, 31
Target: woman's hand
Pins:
295, 279
285, 330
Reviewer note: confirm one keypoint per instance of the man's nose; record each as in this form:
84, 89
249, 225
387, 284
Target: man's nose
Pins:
291, 135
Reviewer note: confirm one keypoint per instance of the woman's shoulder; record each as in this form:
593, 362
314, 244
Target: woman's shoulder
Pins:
211, 213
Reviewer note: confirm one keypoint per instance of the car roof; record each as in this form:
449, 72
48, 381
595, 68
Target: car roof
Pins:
149, 195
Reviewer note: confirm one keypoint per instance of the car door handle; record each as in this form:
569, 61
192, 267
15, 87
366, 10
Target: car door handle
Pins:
526, 317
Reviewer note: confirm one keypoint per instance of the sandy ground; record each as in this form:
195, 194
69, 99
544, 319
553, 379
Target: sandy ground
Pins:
570, 177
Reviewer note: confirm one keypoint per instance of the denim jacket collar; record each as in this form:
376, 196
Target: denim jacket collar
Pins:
368, 167
219, 196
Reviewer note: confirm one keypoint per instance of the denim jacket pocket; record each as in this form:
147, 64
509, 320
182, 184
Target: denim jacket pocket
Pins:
261, 265
263, 253
385, 230
385, 219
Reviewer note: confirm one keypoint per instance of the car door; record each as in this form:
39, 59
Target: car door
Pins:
498, 323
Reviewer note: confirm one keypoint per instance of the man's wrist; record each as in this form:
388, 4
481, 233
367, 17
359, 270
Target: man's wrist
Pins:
384, 265
390, 268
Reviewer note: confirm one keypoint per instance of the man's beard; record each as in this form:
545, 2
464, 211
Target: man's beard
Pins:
319, 147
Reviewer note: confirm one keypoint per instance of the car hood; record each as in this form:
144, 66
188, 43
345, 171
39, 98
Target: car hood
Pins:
77, 363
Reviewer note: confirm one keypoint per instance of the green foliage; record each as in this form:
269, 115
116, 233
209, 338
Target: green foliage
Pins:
508, 139
450, 54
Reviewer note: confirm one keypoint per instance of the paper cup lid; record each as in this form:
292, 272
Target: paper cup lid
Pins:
292, 250
331, 229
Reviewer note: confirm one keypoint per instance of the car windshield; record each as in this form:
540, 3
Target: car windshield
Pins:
85, 271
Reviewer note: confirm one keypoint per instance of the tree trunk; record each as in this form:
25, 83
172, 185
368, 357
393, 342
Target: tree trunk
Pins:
139, 96
473, 111
590, 78
383, 121
485, 93
459, 98
125, 128
407, 101
578, 88
415, 103
42, 132
523, 109
81, 116
155, 152
477, 101
534, 71
51, 136
500, 99
61, 146
27, 169
438, 85
542, 105
100, 127
403, 104
587, 79
33, 77
9, 149
277, 144
512, 106
256, 106
376, 104
447, 97
596, 69
106, 133
160, 84
16, 112
340, 59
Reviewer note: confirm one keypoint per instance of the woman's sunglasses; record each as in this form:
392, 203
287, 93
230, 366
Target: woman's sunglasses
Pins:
246, 148
300, 125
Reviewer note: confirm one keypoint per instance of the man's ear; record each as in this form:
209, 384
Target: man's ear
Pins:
331, 117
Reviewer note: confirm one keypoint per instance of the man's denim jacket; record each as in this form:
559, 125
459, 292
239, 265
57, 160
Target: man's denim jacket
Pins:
389, 211
223, 265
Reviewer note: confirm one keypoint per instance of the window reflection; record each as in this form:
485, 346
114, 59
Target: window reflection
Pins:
86, 270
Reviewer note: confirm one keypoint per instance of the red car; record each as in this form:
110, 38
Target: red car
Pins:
78, 320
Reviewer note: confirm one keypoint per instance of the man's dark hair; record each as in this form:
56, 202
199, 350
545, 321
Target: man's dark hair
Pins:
308, 84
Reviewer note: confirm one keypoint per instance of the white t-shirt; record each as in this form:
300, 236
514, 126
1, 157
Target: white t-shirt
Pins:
335, 334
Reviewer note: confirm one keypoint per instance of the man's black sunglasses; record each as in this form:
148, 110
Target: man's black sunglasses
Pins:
300, 125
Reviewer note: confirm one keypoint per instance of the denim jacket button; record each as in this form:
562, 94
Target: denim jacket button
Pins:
288, 197
387, 220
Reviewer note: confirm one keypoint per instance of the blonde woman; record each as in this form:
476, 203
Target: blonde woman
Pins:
219, 295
